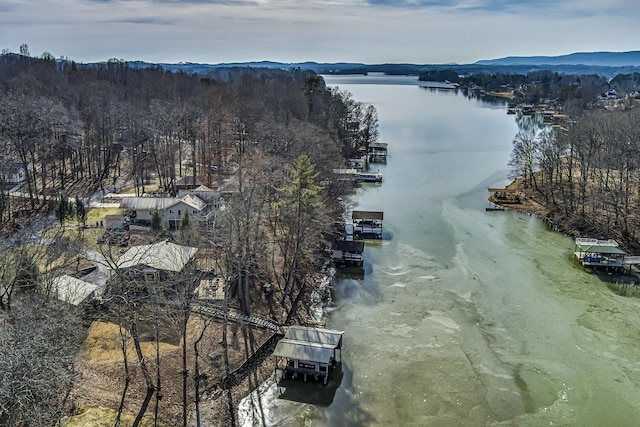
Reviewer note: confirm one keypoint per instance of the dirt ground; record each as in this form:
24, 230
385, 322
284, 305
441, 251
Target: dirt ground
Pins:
101, 375
520, 199
101, 380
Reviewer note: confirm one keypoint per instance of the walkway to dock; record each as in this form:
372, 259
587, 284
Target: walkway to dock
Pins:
235, 315
632, 260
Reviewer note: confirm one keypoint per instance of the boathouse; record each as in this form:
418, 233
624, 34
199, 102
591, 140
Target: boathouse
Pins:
306, 352
377, 151
596, 253
348, 252
357, 164
369, 176
367, 223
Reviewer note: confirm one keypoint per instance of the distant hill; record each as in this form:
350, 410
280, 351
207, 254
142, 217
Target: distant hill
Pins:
608, 64
608, 59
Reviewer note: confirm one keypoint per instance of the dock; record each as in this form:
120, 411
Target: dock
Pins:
367, 223
356, 176
308, 353
348, 252
603, 254
377, 152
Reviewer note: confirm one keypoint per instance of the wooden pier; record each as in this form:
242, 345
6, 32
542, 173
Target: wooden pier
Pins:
356, 176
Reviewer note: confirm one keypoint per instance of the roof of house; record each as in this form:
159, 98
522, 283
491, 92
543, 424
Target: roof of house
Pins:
72, 290
148, 203
164, 256
203, 192
161, 203
192, 201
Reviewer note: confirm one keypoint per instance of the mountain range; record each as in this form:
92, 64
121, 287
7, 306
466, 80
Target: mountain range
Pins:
609, 59
608, 64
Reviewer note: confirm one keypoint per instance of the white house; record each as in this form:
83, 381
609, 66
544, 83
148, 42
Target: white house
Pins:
171, 209
14, 172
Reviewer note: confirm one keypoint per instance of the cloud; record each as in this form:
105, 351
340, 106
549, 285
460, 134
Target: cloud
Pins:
419, 31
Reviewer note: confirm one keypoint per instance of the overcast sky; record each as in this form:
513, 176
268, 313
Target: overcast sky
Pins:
368, 31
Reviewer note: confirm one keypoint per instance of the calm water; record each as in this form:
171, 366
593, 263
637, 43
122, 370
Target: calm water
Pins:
466, 317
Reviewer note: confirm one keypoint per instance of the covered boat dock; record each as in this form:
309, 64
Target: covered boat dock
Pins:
308, 352
367, 223
348, 252
597, 253
377, 151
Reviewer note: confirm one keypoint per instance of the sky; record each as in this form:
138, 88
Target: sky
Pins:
365, 31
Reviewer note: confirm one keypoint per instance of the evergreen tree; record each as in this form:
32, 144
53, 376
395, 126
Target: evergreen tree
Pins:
64, 209
185, 221
300, 211
156, 222
81, 212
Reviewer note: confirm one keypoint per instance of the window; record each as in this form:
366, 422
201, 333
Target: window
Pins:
151, 275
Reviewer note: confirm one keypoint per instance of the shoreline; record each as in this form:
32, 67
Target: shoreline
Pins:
530, 203
253, 410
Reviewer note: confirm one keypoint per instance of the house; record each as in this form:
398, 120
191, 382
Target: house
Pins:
348, 252
171, 209
307, 352
152, 264
162, 256
14, 172
210, 196
12, 175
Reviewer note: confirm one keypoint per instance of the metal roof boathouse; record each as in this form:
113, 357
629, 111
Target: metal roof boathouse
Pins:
348, 252
306, 352
367, 223
607, 254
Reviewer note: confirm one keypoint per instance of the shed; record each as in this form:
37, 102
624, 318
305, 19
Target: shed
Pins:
114, 222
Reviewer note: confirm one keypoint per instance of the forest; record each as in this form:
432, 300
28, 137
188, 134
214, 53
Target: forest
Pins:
79, 131
586, 173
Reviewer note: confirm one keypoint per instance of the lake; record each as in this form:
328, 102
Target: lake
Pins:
465, 317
